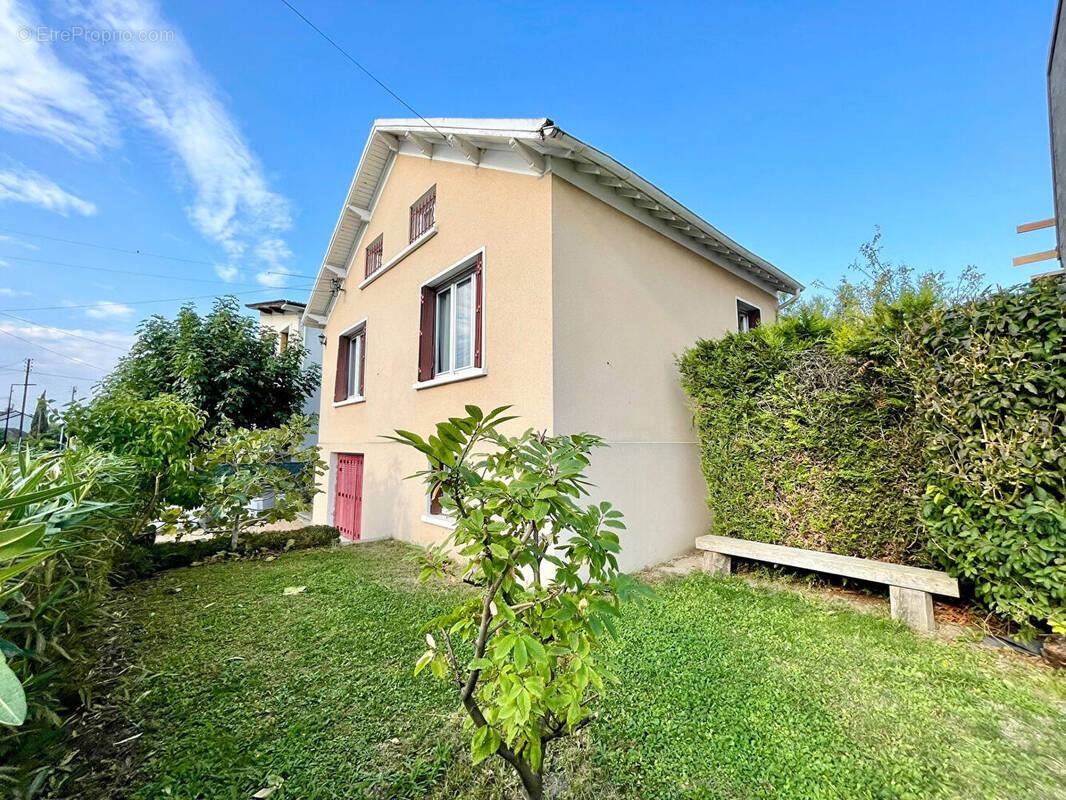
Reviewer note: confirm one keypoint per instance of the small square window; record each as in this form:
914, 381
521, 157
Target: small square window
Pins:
748, 316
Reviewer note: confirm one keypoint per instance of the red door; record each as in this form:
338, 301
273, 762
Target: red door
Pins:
348, 506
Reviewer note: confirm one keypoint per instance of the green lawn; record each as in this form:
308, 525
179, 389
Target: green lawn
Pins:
726, 691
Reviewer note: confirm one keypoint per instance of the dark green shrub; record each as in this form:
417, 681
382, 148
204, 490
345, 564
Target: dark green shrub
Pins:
137, 561
804, 445
989, 381
49, 613
917, 428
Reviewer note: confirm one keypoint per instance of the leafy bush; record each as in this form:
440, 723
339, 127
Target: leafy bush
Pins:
241, 465
522, 655
53, 574
989, 381
805, 443
905, 421
155, 436
220, 363
138, 561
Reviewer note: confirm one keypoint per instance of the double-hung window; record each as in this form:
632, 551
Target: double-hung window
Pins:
351, 365
450, 331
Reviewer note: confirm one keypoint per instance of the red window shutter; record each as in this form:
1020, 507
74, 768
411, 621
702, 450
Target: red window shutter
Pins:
362, 365
478, 302
340, 386
427, 321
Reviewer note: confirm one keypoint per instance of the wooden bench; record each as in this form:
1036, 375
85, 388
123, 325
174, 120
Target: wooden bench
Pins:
910, 589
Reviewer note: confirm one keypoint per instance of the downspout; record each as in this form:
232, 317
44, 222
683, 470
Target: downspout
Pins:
782, 306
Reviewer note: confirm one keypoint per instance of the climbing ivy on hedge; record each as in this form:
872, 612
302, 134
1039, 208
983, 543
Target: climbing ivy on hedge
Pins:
989, 381
919, 431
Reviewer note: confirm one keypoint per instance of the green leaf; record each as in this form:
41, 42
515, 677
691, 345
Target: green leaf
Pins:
424, 660
22, 566
485, 743
521, 657
15, 541
499, 550
31, 498
12, 697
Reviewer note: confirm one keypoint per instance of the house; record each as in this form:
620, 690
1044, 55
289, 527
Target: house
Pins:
1056, 101
504, 261
285, 318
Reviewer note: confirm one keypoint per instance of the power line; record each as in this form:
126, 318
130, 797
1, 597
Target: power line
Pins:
137, 252
64, 332
134, 272
160, 300
54, 352
52, 374
369, 74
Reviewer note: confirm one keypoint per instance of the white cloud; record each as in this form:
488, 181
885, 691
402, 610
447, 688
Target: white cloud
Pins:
5, 292
227, 272
106, 309
40, 95
21, 185
164, 87
271, 279
4, 263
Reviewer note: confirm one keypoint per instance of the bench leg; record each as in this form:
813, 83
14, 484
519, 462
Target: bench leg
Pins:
717, 563
912, 606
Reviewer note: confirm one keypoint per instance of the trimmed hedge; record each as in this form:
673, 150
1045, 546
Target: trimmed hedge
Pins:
805, 446
924, 433
138, 561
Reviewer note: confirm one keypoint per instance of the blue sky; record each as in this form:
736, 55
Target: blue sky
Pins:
796, 128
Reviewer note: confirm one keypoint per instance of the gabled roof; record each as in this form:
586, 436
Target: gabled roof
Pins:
533, 146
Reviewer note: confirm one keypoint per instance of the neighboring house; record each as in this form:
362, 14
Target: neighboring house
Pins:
1056, 101
285, 318
503, 261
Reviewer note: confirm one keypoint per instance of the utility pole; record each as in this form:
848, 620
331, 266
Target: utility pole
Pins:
25, 390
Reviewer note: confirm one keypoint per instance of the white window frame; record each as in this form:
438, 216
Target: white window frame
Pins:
447, 279
354, 396
747, 312
450, 288
440, 520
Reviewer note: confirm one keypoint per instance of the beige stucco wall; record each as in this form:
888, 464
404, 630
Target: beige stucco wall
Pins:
626, 300
282, 322
508, 215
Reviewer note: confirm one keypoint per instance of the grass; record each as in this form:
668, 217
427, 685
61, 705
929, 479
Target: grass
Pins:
726, 691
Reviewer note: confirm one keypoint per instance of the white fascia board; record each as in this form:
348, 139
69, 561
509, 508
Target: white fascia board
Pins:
465, 127
324, 274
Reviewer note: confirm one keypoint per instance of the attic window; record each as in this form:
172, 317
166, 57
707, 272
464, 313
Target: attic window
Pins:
373, 255
748, 316
424, 213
